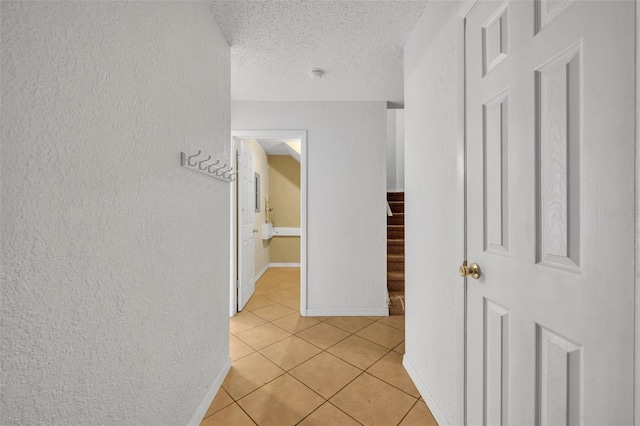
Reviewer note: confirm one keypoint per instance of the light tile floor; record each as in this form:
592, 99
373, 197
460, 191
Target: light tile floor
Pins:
323, 371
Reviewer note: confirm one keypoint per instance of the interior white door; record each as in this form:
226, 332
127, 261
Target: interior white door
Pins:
246, 214
550, 212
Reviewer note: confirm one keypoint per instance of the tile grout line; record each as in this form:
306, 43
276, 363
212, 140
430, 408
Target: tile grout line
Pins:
248, 415
333, 405
366, 370
360, 370
407, 413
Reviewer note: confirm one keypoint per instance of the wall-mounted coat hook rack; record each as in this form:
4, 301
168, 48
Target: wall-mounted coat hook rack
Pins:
191, 162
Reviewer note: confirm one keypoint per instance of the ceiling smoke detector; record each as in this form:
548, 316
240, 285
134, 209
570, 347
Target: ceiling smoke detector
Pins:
316, 73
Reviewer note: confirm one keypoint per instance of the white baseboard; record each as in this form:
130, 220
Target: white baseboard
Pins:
424, 391
373, 312
284, 265
213, 390
261, 272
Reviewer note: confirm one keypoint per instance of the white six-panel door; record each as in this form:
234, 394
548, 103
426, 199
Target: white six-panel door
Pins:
246, 214
550, 173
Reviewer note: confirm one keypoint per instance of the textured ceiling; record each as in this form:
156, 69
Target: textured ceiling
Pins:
359, 44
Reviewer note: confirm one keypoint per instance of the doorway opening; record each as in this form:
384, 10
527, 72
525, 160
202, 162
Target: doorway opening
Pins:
268, 213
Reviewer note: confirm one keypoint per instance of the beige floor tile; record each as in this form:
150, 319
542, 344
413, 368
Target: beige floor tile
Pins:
350, 324
293, 303
294, 322
244, 321
267, 395
325, 374
248, 374
390, 370
323, 335
381, 334
280, 295
258, 301
395, 321
290, 352
287, 284
358, 351
373, 402
295, 293
233, 415
283, 274
321, 319
284, 401
221, 400
419, 416
293, 288
328, 414
238, 349
262, 291
278, 279
262, 336
274, 312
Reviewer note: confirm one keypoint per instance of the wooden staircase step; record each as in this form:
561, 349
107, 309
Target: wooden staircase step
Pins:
395, 246
395, 196
395, 285
395, 280
395, 275
396, 206
395, 227
395, 266
396, 219
395, 232
395, 262
395, 253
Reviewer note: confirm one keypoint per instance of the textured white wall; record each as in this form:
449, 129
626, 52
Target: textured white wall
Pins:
391, 149
400, 150
434, 222
395, 150
346, 218
115, 260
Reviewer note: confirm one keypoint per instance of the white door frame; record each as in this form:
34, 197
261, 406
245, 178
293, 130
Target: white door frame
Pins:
270, 134
461, 294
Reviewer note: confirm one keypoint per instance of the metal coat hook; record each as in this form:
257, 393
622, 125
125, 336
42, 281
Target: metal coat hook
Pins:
200, 163
212, 165
228, 173
217, 170
220, 173
192, 156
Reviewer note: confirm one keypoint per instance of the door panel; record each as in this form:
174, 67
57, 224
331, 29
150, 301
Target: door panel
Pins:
496, 361
550, 149
559, 378
558, 91
496, 173
246, 212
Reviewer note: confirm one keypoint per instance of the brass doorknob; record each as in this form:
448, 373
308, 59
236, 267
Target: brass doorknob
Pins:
472, 270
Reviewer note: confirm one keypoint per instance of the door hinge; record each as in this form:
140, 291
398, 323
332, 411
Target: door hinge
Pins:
237, 157
237, 283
